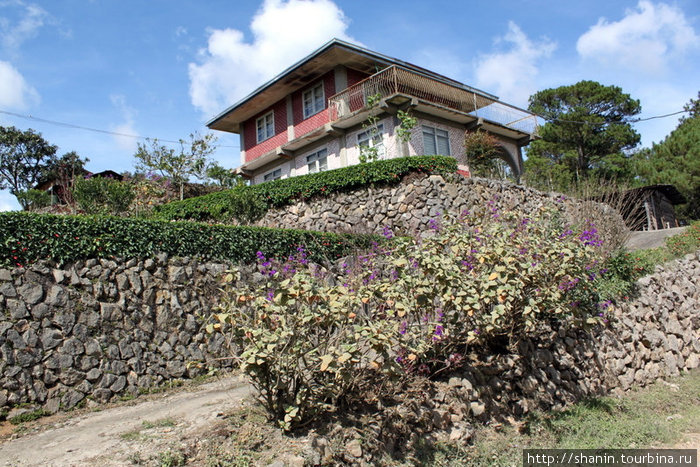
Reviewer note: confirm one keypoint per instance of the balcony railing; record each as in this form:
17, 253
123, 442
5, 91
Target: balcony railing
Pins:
395, 80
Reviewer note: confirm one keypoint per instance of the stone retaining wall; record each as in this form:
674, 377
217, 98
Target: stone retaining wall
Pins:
98, 329
101, 329
409, 206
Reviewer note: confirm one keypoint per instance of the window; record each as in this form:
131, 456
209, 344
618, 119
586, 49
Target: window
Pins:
265, 126
318, 161
375, 142
314, 100
435, 141
274, 175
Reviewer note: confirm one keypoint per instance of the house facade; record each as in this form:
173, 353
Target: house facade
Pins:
314, 115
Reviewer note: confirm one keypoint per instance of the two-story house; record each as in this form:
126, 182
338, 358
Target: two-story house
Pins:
313, 116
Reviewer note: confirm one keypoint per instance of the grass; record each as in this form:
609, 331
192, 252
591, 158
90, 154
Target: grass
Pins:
654, 416
29, 416
137, 435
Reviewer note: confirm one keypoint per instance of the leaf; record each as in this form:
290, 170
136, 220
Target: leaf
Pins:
344, 358
325, 361
375, 365
493, 276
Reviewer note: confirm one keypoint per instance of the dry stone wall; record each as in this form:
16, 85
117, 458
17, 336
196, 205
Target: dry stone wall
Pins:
408, 207
100, 329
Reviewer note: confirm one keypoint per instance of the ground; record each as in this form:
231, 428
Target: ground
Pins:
125, 433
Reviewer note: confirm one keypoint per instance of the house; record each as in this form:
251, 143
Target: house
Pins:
59, 187
313, 116
651, 207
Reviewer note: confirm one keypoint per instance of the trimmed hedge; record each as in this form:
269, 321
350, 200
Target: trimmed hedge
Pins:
27, 237
249, 203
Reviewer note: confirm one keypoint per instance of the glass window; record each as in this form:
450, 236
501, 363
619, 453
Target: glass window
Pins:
376, 141
314, 100
274, 175
265, 126
318, 161
435, 141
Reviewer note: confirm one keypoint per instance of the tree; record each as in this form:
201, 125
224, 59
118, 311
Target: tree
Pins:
64, 171
191, 160
483, 155
25, 157
676, 161
226, 178
588, 130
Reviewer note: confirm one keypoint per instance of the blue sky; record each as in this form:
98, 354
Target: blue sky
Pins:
162, 68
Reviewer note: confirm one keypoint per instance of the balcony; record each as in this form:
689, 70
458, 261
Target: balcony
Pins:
396, 87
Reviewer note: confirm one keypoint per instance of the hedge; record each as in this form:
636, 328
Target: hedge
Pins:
247, 204
27, 237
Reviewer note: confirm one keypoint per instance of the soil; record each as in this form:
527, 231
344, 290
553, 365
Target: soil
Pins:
124, 433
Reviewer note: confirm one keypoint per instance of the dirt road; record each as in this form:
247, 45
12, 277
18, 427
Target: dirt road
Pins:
123, 434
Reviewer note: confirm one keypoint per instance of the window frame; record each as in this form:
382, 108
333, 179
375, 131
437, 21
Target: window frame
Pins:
316, 161
272, 175
371, 143
434, 130
314, 100
266, 127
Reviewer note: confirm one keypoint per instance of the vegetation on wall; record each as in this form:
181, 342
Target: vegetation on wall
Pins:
28, 237
312, 339
227, 205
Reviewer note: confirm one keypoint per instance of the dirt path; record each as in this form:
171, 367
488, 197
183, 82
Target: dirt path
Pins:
121, 435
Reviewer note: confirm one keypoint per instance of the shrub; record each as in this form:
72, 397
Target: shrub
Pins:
29, 237
224, 205
34, 199
102, 195
686, 242
310, 337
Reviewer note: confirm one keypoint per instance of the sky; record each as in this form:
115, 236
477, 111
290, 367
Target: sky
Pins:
136, 69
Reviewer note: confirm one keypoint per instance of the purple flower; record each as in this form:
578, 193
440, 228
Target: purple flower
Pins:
438, 330
271, 294
387, 232
403, 327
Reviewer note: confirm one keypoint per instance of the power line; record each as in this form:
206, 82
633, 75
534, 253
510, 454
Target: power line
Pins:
634, 120
96, 130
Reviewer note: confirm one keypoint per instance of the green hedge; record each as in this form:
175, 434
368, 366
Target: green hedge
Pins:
27, 237
246, 204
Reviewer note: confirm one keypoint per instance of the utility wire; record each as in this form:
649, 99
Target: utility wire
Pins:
96, 130
114, 133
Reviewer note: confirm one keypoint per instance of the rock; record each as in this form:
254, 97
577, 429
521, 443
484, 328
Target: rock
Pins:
31, 293
56, 296
354, 448
477, 408
71, 398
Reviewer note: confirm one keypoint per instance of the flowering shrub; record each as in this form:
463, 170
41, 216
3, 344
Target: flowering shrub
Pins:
309, 337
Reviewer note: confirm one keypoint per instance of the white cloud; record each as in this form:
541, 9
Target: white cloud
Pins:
30, 20
15, 92
643, 40
128, 137
283, 31
8, 202
511, 73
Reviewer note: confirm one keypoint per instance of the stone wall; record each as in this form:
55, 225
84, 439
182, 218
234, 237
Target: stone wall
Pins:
654, 336
101, 329
409, 206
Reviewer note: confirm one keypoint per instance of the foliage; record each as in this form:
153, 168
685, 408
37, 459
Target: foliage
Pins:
33, 200
370, 153
226, 178
222, 205
482, 151
686, 242
63, 172
190, 160
407, 123
28, 237
676, 161
309, 337
25, 157
103, 195
587, 133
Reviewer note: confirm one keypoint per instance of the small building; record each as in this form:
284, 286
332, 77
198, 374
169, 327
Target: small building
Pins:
651, 207
59, 188
313, 116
